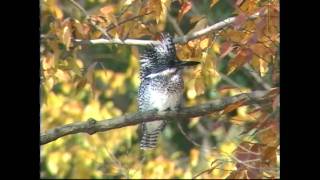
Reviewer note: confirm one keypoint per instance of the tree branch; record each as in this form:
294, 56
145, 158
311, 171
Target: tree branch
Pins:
92, 126
125, 21
175, 25
80, 8
84, 12
118, 41
256, 77
181, 39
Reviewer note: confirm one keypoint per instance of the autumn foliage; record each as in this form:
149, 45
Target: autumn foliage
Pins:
82, 80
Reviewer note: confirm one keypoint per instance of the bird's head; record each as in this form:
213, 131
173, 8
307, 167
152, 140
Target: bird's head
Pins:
161, 59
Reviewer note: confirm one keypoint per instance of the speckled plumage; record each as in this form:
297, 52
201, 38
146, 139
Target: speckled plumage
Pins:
161, 86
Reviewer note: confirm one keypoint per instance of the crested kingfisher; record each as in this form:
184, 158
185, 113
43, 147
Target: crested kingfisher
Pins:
161, 85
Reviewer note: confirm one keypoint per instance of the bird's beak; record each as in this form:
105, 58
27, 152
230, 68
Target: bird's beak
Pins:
186, 63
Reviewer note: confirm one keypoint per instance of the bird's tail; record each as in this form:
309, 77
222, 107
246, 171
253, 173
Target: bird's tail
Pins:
150, 133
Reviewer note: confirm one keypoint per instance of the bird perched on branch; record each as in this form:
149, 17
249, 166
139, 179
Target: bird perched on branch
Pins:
161, 85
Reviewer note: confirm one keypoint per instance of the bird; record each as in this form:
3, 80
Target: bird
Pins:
161, 86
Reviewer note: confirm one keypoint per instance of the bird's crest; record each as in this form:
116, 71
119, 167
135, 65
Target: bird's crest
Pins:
156, 57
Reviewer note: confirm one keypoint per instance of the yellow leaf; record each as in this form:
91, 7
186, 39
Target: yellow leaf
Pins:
228, 147
199, 86
213, 2
72, 64
54, 9
193, 43
49, 83
128, 2
183, 51
249, 6
263, 67
161, 20
52, 162
191, 93
139, 30
204, 43
106, 10
194, 157
216, 48
153, 6
66, 37
48, 62
256, 63
62, 75
81, 29
73, 108
92, 110
57, 13
193, 122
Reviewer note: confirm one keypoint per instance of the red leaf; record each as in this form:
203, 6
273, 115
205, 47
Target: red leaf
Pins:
185, 7
242, 57
253, 39
240, 19
225, 49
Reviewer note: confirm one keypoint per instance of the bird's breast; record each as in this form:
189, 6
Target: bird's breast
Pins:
166, 94
163, 99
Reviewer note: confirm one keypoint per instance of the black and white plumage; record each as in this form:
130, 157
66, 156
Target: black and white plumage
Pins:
161, 85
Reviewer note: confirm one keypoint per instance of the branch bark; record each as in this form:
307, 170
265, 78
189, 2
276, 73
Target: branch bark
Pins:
181, 39
92, 126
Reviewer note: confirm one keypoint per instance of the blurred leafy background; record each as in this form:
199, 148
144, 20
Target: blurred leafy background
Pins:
100, 81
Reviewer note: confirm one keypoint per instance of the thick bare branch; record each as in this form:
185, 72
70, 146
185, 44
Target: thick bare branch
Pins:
92, 126
181, 39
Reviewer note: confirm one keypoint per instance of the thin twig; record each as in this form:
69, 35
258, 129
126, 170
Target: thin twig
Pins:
256, 77
248, 151
187, 136
88, 18
125, 21
175, 25
123, 170
80, 8
207, 171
